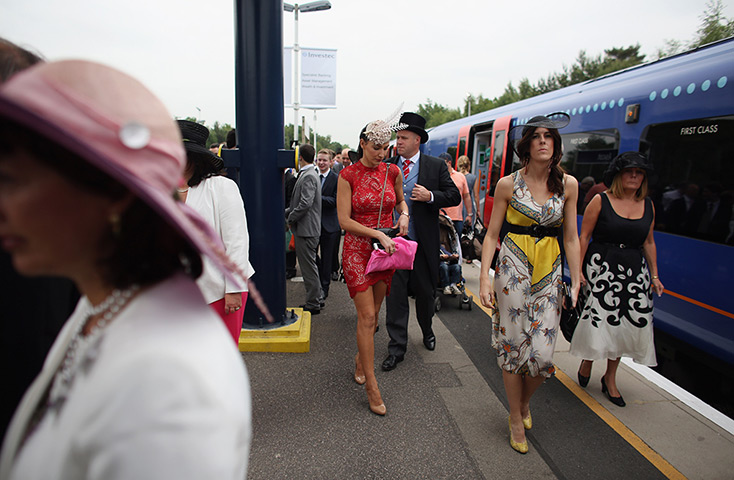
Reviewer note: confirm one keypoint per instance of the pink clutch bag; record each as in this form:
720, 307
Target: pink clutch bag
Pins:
402, 259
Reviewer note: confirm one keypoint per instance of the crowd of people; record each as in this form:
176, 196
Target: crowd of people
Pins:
102, 187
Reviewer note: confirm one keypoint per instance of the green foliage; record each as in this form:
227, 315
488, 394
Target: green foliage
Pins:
436, 114
585, 68
322, 141
217, 132
714, 26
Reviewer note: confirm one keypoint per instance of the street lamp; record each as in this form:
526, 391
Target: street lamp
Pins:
295, 8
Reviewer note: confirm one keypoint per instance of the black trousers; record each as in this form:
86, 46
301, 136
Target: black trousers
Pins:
326, 257
418, 282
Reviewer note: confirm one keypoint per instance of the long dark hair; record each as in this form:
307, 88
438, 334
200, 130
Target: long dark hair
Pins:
200, 167
555, 174
146, 249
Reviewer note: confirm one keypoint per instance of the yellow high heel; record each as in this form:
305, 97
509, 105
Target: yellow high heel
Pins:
518, 447
527, 422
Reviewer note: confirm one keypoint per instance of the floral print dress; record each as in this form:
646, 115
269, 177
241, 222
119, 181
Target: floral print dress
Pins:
527, 285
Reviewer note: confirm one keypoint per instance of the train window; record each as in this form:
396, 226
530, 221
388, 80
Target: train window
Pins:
452, 151
462, 146
587, 154
499, 147
694, 177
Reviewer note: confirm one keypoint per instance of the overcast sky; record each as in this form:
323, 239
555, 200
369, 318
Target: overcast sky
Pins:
389, 51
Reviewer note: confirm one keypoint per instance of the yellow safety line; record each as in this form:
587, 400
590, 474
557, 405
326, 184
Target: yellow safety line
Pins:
628, 435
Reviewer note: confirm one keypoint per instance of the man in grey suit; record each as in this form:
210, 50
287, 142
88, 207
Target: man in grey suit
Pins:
304, 217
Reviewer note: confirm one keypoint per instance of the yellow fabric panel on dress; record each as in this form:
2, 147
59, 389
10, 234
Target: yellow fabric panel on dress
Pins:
540, 252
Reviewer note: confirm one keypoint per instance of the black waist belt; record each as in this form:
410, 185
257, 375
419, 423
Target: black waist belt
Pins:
621, 245
537, 231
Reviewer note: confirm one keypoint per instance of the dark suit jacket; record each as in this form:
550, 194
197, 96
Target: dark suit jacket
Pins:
329, 218
434, 175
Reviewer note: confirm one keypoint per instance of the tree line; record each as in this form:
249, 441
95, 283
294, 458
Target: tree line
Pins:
714, 26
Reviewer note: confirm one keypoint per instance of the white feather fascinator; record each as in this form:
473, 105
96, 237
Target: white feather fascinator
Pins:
380, 131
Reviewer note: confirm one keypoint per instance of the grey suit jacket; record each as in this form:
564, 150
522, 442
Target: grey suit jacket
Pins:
304, 213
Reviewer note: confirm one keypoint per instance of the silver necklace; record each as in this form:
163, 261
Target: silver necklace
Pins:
84, 349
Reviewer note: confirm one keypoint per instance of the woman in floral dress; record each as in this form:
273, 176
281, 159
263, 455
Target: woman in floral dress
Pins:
367, 193
538, 201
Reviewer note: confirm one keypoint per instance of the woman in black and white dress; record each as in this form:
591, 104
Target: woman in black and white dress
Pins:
620, 274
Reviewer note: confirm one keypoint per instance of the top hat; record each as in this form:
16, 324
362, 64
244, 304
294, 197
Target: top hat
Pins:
194, 137
626, 160
416, 124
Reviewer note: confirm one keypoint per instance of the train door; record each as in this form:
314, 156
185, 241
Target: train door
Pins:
490, 151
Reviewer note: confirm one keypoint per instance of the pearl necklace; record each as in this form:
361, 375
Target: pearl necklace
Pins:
84, 349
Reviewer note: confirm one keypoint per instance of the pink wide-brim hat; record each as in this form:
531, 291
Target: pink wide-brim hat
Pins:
115, 123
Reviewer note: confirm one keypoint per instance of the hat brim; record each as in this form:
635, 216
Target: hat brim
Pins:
203, 154
419, 131
614, 169
546, 122
189, 224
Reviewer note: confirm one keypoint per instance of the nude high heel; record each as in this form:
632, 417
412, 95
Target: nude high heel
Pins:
375, 407
360, 379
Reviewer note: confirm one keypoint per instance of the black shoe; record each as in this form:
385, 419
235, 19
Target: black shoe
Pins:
391, 362
618, 401
583, 381
289, 275
312, 311
430, 342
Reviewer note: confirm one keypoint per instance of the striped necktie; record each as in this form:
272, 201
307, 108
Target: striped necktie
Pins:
406, 168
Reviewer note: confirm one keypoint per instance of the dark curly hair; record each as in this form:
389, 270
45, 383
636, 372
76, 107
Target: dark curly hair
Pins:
555, 175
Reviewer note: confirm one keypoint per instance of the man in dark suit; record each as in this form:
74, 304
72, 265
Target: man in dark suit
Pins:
330, 230
304, 218
427, 187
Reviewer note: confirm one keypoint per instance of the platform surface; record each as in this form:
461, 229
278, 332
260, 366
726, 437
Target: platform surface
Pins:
447, 416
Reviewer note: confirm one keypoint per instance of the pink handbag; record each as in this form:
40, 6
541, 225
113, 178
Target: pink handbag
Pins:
402, 259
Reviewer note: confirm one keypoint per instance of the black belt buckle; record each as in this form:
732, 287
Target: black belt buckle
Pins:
536, 230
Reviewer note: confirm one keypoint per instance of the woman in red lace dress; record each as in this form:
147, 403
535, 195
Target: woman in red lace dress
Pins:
368, 191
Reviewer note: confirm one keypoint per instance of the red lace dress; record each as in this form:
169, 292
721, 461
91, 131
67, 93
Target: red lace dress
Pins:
367, 186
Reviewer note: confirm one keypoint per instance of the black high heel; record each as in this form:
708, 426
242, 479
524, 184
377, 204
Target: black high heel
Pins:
583, 381
618, 401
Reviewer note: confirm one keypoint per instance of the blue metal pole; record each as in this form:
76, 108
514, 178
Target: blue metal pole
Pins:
259, 119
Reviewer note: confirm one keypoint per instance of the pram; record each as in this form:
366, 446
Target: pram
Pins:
471, 240
450, 244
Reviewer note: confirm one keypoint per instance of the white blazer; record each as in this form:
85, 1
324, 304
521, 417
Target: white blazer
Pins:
217, 199
166, 395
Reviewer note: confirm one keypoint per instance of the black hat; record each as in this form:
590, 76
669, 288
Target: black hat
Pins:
446, 157
555, 120
626, 160
416, 124
194, 136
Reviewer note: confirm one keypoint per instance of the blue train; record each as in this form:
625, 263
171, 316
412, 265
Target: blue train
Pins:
680, 112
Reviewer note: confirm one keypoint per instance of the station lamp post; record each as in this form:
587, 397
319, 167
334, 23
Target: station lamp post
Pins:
305, 8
